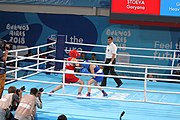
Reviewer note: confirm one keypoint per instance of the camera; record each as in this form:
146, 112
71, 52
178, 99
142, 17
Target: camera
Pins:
18, 90
5, 45
41, 89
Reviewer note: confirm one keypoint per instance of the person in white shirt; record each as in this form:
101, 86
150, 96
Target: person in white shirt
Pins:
110, 59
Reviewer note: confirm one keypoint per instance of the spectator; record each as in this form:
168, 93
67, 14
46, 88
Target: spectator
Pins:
83, 56
177, 72
93, 57
42, 56
62, 117
150, 76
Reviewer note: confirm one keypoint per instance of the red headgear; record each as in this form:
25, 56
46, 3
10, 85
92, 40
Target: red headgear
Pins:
74, 54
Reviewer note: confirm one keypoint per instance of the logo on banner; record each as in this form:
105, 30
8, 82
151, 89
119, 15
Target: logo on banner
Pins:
170, 8
74, 39
165, 54
120, 36
17, 33
176, 8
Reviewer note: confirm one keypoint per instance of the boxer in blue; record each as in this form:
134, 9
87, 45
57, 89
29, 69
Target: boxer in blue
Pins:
93, 69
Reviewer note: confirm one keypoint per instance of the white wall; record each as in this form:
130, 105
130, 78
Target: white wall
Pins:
55, 9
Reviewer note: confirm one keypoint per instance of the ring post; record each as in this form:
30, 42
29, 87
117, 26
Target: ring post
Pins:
64, 69
38, 58
145, 85
174, 56
16, 64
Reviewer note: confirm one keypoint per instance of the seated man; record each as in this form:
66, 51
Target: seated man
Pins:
93, 69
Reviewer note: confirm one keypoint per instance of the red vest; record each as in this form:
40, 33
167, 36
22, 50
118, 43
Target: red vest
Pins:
70, 66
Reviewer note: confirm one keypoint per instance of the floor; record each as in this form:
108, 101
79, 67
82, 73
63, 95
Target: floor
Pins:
103, 109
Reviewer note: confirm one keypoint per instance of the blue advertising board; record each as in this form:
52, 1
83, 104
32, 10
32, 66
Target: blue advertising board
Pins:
170, 8
31, 29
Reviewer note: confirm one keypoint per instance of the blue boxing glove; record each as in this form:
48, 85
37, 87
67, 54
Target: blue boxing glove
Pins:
84, 70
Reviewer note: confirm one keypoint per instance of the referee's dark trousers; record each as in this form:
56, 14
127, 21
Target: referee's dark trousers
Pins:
110, 69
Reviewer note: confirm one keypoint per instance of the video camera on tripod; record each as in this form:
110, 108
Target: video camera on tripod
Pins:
21, 89
41, 89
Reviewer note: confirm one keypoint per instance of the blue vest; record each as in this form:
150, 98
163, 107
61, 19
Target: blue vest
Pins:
96, 69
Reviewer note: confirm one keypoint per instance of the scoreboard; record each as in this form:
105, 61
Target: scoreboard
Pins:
146, 12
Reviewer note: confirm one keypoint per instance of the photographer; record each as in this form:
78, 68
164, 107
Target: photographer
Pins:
8, 102
3, 58
27, 106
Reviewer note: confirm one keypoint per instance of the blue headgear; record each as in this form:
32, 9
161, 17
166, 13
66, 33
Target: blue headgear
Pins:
85, 65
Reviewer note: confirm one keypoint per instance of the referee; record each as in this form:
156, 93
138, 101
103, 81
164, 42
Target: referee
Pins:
110, 59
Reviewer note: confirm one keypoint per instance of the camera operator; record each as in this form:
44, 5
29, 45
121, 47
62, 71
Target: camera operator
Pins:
3, 58
27, 106
8, 102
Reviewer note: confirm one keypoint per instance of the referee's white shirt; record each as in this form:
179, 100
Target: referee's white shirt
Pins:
110, 50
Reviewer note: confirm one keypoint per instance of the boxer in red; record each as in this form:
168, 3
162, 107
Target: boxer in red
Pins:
71, 78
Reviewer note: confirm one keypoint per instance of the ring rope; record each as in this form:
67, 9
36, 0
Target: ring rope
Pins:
130, 48
94, 63
119, 54
104, 88
30, 56
35, 47
111, 88
117, 65
110, 76
125, 77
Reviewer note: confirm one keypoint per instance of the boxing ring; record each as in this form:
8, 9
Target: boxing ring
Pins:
139, 96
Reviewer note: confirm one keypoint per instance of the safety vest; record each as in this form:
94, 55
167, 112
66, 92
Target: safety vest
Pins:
6, 101
26, 106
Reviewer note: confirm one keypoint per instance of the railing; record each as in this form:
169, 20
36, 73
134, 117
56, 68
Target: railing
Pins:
143, 77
